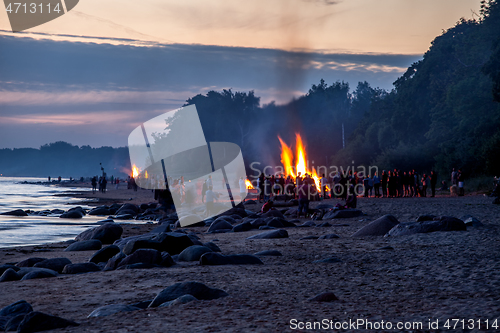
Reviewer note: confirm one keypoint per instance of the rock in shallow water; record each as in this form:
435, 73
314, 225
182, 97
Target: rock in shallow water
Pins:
196, 289
17, 212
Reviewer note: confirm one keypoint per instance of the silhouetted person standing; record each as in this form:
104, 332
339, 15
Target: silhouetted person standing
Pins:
94, 184
433, 183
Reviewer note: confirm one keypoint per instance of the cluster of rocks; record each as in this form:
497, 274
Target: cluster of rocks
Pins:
176, 294
389, 226
20, 317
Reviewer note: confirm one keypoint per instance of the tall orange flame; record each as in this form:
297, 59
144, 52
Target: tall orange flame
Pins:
287, 160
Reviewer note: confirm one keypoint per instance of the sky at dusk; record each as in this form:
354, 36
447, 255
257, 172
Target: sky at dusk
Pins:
94, 74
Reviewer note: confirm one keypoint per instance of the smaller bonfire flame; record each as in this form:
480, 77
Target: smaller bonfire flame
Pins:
135, 171
249, 184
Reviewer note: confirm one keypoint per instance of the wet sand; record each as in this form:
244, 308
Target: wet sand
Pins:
434, 276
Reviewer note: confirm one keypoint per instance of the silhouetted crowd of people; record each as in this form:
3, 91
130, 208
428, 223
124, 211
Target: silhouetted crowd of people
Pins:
392, 184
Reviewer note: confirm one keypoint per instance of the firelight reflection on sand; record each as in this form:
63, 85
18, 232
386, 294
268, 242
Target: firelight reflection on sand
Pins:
300, 166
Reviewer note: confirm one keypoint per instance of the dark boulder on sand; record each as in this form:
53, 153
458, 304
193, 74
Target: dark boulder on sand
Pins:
342, 214
212, 258
88, 245
166, 260
426, 217
258, 222
379, 227
329, 236
104, 254
471, 221
5, 267
134, 245
220, 224
173, 242
280, 233
193, 253
143, 256
38, 321
179, 300
80, 268
39, 274
111, 309
14, 322
445, 223
29, 262
114, 261
245, 226
17, 212
331, 260
212, 246
324, 297
278, 222
272, 253
55, 264
273, 213
196, 289
9, 275
18, 308
106, 233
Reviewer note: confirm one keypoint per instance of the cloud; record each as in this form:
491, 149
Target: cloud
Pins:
324, 2
89, 93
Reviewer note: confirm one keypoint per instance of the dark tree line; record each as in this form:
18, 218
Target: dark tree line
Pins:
65, 160
443, 112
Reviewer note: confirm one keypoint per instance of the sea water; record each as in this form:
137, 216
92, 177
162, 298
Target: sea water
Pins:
36, 230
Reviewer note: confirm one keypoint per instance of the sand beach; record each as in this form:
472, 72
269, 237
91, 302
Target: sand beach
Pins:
418, 281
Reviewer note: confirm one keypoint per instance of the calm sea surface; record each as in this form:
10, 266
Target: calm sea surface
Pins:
36, 230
